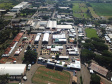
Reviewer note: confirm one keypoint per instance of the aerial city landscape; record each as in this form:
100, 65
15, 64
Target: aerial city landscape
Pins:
55, 41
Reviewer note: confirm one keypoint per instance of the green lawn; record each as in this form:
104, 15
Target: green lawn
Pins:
91, 33
80, 10
102, 9
44, 75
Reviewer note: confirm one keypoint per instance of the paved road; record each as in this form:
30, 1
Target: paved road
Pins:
85, 75
30, 73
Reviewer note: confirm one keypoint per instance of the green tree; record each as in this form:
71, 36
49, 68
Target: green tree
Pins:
95, 79
57, 56
4, 79
87, 55
30, 56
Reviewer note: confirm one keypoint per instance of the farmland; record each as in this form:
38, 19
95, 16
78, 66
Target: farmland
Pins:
91, 33
102, 9
50, 76
80, 10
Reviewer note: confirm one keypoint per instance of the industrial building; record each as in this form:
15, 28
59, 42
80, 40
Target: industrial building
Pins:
51, 24
19, 7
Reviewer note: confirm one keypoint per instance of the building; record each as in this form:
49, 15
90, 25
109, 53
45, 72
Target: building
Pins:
63, 57
45, 38
64, 27
19, 7
51, 24
98, 69
37, 38
75, 65
13, 69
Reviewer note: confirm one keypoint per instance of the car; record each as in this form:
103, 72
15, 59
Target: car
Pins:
29, 66
24, 78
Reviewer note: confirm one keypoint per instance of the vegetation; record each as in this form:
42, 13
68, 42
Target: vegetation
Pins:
30, 56
96, 49
50, 76
4, 79
91, 33
26, 12
6, 5
95, 79
80, 10
81, 82
93, 12
102, 9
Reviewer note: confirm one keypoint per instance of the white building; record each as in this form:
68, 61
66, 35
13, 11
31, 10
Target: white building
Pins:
64, 27
12, 69
37, 38
45, 38
51, 24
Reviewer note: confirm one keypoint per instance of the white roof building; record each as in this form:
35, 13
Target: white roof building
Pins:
75, 65
63, 57
37, 37
46, 37
51, 24
59, 36
64, 26
12, 69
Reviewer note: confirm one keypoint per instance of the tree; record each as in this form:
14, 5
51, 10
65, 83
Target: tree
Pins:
100, 46
107, 53
57, 56
95, 79
30, 56
87, 55
4, 79
75, 42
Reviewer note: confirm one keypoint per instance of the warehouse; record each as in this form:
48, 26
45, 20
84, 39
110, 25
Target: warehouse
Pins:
51, 24
45, 38
13, 69
37, 38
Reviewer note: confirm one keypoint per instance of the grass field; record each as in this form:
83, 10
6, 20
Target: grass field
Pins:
102, 9
80, 10
93, 12
6, 5
44, 75
91, 33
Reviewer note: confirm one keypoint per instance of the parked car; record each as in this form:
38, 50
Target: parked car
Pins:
29, 66
24, 78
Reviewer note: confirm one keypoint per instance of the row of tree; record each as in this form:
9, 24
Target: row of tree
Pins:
95, 49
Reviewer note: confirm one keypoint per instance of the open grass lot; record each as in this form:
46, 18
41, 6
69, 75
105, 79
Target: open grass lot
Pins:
44, 75
93, 12
80, 10
102, 9
91, 33
6, 5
